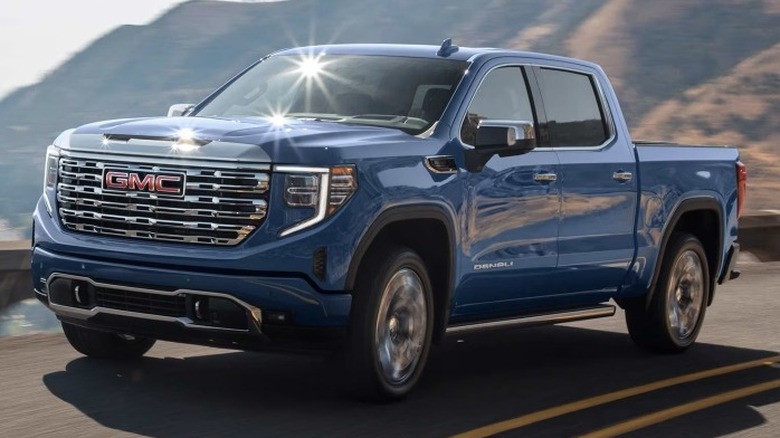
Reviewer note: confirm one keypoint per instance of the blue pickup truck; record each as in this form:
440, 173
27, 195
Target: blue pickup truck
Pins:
374, 199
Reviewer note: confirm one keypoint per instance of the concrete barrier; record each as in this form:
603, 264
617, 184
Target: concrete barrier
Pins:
15, 280
759, 234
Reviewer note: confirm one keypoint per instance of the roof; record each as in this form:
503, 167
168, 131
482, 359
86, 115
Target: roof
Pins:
418, 51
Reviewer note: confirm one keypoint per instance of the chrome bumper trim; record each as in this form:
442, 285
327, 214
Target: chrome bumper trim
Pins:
79, 313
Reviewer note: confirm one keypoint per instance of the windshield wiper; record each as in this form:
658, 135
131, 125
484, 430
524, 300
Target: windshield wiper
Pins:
383, 117
317, 117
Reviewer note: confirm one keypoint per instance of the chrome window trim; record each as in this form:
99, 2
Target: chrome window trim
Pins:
459, 126
604, 106
600, 94
255, 312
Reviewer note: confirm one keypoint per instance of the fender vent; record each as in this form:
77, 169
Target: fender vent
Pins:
320, 261
441, 164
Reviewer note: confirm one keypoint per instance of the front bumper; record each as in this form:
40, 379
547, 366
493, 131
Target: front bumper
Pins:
161, 303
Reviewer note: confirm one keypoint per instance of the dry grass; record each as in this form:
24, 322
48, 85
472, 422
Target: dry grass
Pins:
741, 108
603, 39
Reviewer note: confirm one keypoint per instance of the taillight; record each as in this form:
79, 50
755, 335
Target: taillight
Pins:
741, 187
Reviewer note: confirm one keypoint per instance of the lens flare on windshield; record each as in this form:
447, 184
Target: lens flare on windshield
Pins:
277, 119
315, 75
310, 66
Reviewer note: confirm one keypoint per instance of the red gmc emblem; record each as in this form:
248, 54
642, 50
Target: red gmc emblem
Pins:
163, 183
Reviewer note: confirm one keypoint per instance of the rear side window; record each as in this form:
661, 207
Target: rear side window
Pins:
503, 95
574, 113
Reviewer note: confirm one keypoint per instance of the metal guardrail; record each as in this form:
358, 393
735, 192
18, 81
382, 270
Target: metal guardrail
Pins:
759, 234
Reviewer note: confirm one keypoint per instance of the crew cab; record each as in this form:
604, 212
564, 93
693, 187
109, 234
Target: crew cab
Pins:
374, 199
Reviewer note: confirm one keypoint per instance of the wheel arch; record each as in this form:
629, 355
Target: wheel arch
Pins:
431, 224
707, 209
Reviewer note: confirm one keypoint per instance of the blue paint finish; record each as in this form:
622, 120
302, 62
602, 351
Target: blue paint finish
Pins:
597, 233
509, 218
309, 308
519, 245
670, 176
597, 228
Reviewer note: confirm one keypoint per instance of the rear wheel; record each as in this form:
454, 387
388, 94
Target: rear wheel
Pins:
105, 345
391, 324
675, 315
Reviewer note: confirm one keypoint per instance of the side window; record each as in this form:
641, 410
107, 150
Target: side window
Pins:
503, 95
574, 113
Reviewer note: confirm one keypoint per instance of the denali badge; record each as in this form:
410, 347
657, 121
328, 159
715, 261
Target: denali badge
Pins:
168, 183
496, 265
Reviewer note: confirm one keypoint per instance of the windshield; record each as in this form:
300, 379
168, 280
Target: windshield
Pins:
390, 91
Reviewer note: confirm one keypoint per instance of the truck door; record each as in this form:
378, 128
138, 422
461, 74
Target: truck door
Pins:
511, 211
598, 179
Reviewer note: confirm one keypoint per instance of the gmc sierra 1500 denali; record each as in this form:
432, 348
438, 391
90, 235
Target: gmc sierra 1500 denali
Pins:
375, 198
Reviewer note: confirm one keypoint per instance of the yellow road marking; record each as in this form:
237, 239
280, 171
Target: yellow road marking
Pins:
598, 400
678, 411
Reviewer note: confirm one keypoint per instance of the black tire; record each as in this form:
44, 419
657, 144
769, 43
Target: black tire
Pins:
367, 337
683, 286
105, 345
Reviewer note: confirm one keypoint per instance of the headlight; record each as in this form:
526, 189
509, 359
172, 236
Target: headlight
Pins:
302, 190
50, 173
323, 189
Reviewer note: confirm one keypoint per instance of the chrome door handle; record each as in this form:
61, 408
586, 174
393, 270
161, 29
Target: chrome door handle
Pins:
545, 177
622, 176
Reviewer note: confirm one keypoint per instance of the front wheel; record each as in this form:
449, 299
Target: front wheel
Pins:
391, 324
675, 315
105, 345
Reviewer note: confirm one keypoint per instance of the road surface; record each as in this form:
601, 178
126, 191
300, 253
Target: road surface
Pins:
549, 381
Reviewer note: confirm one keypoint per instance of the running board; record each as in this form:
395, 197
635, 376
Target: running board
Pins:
557, 317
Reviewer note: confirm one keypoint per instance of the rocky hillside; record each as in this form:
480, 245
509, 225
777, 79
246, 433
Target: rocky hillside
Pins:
741, 108
693, 70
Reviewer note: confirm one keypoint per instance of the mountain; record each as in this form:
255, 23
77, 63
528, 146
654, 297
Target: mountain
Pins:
742, 107
655, 52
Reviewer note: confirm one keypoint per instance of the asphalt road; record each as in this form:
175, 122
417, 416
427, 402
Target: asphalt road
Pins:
547, 376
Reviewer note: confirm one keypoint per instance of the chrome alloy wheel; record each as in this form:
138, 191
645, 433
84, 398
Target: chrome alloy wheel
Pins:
685, 295
401, 326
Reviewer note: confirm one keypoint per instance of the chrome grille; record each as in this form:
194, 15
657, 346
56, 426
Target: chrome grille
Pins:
222, 204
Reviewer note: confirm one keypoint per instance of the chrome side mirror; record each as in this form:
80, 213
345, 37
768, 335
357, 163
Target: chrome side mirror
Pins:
502, 138
180, 109
505, 137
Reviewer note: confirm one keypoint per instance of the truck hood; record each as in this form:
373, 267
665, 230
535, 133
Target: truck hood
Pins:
292, 141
